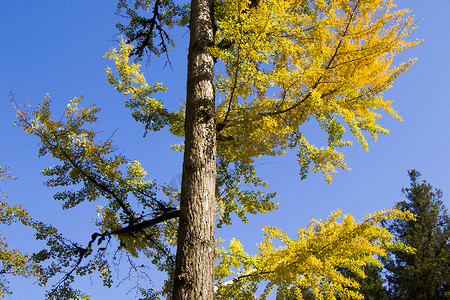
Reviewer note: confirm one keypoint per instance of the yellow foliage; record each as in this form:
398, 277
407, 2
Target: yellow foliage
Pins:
310, 262
13, 261
132, 83
282, 63
291, 60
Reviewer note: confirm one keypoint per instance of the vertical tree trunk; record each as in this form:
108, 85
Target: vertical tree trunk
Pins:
194, 270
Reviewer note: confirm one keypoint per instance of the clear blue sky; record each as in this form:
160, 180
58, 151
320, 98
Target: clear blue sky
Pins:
56, 47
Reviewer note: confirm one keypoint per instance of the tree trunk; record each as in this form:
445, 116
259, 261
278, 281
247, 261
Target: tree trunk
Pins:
194, 270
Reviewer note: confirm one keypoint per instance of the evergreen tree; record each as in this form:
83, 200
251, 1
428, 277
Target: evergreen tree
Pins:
426, 273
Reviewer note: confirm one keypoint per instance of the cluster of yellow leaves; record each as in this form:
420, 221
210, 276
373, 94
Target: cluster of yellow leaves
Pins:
98, 173
312, 261
12, 261
131, 82
291, 60
84, 160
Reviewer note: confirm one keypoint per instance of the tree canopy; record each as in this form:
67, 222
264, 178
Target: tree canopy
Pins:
282, 63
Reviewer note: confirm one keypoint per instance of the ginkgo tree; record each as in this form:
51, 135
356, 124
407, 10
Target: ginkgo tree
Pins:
257, 72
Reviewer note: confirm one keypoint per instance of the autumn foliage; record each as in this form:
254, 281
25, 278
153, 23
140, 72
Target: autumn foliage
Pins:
279, 66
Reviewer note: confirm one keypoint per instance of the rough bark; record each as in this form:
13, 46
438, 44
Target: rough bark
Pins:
194, 270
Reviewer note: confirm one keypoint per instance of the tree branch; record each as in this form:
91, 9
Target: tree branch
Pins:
345, 236
145, 224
